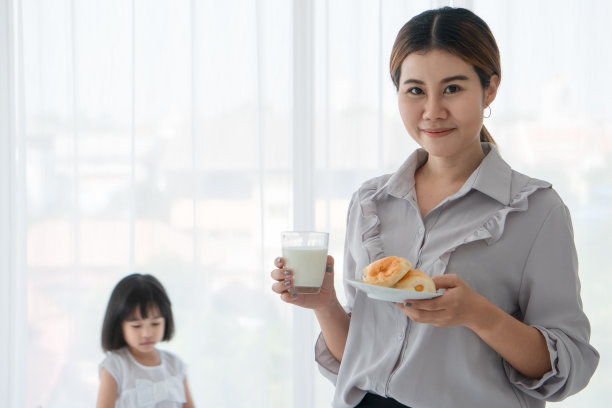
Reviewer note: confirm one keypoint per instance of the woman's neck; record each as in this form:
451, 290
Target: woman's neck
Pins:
451, 170
441, 177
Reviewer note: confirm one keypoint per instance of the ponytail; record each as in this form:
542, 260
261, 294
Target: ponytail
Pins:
485, 136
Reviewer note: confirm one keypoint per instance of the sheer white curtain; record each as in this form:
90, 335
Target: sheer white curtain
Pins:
179, 138
12, 214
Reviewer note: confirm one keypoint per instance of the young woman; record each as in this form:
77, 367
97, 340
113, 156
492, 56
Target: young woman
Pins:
135, 373
509, 330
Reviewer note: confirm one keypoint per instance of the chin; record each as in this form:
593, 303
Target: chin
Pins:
448, 147
439, 148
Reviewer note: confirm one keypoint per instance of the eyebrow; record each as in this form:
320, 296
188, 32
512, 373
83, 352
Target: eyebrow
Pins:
444, 81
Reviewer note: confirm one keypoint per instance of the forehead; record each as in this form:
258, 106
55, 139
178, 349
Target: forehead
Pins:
152, 311
434, 66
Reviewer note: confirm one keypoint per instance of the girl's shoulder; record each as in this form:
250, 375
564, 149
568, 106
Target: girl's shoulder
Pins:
115, 355
116, 363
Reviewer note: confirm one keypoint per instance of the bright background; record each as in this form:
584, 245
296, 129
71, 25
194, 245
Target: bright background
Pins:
179, 137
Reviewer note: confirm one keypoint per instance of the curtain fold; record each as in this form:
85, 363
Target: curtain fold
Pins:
13, 271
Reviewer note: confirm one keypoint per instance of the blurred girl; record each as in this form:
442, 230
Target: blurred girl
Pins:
135, 373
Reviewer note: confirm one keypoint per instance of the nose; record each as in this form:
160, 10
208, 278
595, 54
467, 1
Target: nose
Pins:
147, 331
434, 108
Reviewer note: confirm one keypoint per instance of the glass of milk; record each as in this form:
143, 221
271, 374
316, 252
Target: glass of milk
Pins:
305, 253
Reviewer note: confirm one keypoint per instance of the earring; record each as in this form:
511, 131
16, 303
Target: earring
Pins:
489, 115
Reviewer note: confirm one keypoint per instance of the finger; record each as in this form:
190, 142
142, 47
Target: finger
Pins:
282, 286
420, 315
281, 274
425, 305
446, 281
434, 317
408, 309
329, 267
328, 278
289, 297
279, 262
428, 307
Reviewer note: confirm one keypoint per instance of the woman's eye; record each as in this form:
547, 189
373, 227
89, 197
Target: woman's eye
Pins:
415, 91
452, 89
156, 324
136, 326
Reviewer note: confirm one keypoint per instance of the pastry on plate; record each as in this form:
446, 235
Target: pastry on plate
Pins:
386, 271
396, 272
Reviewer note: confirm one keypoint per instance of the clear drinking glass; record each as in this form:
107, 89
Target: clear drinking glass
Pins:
305, 253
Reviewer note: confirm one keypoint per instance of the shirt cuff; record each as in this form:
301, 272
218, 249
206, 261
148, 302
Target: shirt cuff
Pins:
328, 365
549, 383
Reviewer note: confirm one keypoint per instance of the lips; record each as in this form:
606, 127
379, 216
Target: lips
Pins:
437, 132
146, 343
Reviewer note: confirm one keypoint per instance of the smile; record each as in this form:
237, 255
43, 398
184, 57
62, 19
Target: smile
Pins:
439, 132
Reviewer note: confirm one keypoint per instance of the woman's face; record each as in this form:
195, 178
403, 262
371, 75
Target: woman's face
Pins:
441, 102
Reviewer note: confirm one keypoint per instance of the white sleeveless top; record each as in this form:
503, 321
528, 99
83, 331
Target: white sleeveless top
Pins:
140, 386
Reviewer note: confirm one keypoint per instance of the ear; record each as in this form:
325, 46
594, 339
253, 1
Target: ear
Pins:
491, 91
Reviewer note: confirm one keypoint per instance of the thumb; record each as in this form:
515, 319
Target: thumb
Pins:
446, 281
329, 266
329, 270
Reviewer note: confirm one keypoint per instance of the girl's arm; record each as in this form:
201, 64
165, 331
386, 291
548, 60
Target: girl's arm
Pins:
107, 393
189, 403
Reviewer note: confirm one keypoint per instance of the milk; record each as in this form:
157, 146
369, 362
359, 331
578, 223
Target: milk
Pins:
308, 266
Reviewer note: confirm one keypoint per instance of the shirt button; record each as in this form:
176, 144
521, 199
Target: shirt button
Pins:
421, 231
400, 336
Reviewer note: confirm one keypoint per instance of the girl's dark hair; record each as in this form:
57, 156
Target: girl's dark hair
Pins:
455, 30
134, 291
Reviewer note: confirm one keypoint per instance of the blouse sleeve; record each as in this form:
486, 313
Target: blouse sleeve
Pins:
550, 301
112, 364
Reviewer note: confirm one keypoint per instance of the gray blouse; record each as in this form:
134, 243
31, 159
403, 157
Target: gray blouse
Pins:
510, 238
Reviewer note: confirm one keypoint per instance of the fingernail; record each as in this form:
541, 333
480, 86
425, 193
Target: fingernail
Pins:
294, 295
278, 260
408, 304
329, 268
288, 283
287, 272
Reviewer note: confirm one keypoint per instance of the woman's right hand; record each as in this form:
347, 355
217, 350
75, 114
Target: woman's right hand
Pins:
284, 283
333, 319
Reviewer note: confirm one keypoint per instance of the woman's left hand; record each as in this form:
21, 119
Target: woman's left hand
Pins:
523, 346
460, 305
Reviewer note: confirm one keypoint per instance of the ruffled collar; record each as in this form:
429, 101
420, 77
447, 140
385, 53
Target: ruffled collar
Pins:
493, 177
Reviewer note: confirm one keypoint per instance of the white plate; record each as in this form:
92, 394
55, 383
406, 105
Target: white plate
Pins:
392, 294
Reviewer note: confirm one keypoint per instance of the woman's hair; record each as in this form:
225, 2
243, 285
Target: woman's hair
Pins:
134, 291
455, 30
